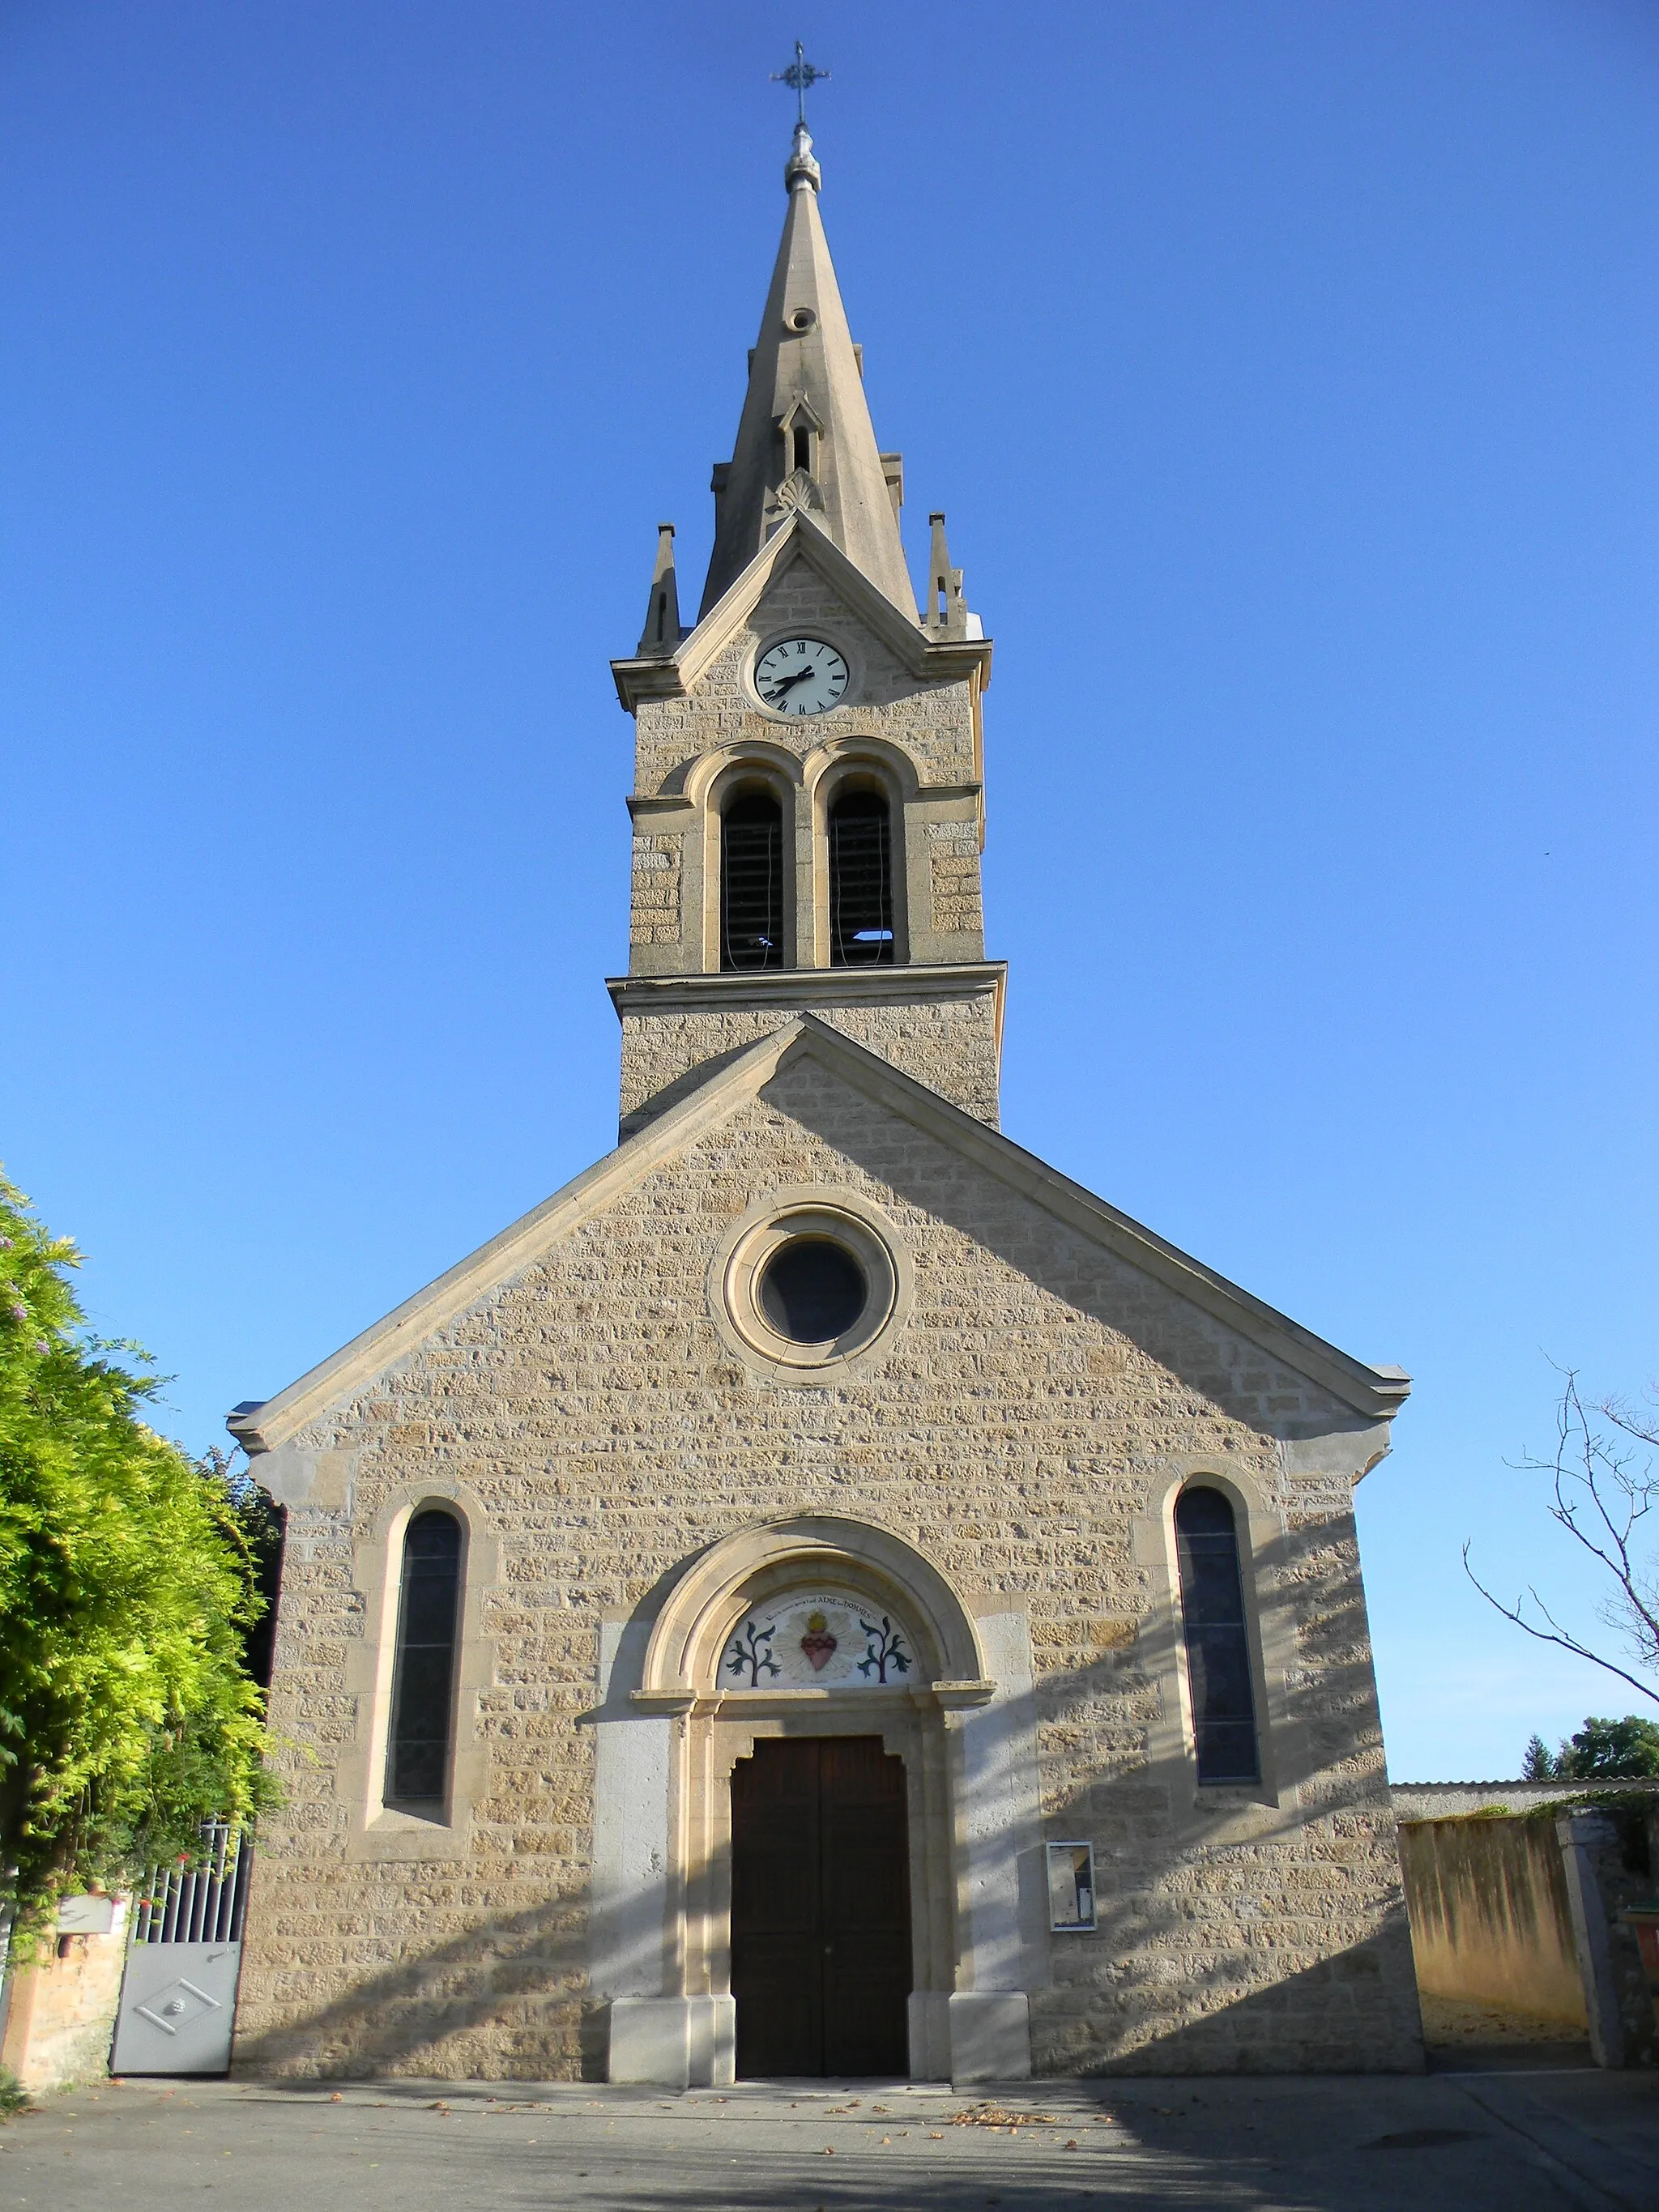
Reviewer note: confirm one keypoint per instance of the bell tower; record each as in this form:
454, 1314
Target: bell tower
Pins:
808, 804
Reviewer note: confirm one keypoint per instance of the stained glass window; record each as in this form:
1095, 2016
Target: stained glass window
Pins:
1218, 1637
423, 1694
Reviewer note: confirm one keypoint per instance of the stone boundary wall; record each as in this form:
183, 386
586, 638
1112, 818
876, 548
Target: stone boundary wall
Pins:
59, 2012
1490, 1917
1446, 1800
1524, 1910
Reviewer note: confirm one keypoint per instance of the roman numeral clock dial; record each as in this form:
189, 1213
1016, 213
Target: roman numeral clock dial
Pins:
801, 675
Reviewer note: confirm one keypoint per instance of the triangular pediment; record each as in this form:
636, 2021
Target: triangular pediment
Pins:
799, 538
1377, 1393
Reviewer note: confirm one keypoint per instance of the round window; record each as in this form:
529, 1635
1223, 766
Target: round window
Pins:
812, 1289
810, 1279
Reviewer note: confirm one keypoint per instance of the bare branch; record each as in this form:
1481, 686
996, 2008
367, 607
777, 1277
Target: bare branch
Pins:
1554, 1634
1602, 1493
1633, 1420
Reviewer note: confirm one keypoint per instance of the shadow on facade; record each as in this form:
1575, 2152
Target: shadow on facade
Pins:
1201, 1964
521, 1977
1069, 1265
1234, 1936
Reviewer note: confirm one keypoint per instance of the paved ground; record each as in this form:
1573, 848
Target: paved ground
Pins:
1516, 2139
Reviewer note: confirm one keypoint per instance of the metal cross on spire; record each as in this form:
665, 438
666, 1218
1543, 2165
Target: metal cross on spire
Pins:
799, 74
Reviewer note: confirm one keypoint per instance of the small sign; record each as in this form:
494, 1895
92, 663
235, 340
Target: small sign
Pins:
1071, 1888
86, 1915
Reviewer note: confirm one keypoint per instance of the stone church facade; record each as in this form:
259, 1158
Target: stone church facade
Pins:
824, 1593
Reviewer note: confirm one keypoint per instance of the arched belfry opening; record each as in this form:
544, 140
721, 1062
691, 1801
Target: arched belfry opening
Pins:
860, 841
751, 881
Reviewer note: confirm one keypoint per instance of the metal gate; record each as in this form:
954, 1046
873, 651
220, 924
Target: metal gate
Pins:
179, 1995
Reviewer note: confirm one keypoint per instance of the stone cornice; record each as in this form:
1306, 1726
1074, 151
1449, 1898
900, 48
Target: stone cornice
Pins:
800, 989
649, 804
1378, 1392
263, 1427
661, 802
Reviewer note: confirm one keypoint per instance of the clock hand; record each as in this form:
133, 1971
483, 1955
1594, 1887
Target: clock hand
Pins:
788, 682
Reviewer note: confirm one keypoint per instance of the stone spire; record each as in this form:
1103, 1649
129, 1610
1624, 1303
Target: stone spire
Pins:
805, 439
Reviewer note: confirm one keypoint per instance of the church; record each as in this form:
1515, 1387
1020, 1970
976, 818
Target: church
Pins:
823, 1595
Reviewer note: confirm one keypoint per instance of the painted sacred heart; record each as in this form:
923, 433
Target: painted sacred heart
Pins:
818, 1642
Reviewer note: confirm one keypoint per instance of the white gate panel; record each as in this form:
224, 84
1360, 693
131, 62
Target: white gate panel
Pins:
178, 2006
179, 1995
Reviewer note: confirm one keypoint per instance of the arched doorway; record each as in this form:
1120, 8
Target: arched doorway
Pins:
820, 1942
820, 1647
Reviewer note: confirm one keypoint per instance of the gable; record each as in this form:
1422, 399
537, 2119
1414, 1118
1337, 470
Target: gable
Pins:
807, 1093
653, 677
931, 717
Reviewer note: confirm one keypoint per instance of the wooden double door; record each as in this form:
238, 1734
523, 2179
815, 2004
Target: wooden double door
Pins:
821, 1908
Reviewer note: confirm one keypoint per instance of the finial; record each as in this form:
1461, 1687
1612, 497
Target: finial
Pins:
662, 635
946, 614
800, 168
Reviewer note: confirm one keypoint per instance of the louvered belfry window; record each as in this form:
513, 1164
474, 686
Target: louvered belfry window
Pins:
423, 1681
861, 881
752, 883
1218, 1637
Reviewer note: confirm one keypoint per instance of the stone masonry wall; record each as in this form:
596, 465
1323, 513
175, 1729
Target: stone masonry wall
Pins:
949, 1044
954, 873
658, 864
1039, 1393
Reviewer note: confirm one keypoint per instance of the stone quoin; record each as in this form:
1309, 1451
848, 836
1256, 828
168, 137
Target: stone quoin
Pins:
820, 1453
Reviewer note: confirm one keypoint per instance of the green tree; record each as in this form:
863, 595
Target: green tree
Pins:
1627, 1749
1624, 1751
128, 1590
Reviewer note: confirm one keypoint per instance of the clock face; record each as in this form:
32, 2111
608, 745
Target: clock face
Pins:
802, 676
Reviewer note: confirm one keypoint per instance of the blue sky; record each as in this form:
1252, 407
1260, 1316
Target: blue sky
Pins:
1286, 373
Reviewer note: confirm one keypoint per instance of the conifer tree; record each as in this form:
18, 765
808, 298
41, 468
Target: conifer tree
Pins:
1539, 1763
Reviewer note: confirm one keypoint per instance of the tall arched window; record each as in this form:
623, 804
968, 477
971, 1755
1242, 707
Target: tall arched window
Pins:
1218, 1637
861, 881
423, 1679
752, 882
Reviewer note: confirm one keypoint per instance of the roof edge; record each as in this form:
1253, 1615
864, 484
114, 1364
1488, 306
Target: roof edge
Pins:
1378, 1392
262, 1426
